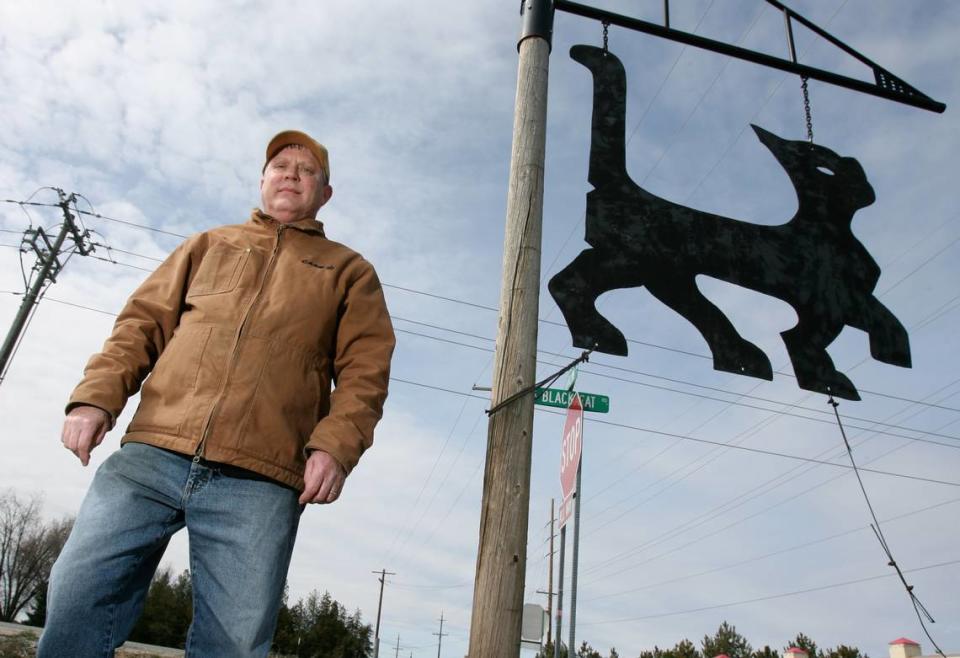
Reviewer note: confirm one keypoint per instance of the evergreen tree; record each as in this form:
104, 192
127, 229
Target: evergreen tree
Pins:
319, 627
285, 637
684, 649
167, 611
37, 614
726, 641
586, 651
805, 643
547, 651
765, 652
843, 651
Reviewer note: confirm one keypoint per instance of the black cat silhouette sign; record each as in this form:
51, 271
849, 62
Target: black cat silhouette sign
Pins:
813, 262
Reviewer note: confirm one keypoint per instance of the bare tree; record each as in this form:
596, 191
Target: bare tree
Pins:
28, 547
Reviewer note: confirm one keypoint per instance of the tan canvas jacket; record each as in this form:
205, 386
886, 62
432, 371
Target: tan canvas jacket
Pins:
242, 330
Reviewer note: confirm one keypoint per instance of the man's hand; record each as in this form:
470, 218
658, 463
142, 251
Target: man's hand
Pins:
323, 479
83, 430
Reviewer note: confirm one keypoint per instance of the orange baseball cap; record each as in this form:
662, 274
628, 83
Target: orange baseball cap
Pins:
288, 137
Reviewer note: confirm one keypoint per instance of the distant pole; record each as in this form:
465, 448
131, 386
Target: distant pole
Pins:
576, 555
396, 654
550, 579
563, 546
440, 635
502, 554
376, 635
48, 266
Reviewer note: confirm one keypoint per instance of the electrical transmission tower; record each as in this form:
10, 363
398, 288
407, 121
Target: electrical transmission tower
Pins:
45, 270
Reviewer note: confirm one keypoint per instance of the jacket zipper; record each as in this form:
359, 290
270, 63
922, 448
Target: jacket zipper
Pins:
198, 455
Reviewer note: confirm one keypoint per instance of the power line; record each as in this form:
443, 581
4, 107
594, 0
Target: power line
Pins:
29, 203
447, 329
770, 597
646, 374
699, 102
923, 615
130, 253
392, 378
764, 488
753, 118
750, 397
942, 310
729, 402
764, 556
643, 116
783, 413
495, 309
660, 347
819, 462
133, 224
116, 262
708, 397
466, 485
409, 509
663, 83
438, 388
442, 340
740, 437
734, 402
646, 384
465, 583
771, 453
921, 265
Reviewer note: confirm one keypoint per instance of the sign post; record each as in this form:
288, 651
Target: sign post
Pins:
571, 448
570, 470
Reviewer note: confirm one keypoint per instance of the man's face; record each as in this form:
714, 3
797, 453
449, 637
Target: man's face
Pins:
293, 185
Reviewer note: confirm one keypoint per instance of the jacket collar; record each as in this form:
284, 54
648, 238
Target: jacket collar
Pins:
306, 225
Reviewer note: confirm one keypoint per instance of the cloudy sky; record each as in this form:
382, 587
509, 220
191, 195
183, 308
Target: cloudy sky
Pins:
158, 113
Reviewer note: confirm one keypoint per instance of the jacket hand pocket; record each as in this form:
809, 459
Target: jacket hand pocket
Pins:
220, 270
168, 392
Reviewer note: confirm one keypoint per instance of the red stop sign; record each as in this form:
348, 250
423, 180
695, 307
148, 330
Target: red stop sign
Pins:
570, 447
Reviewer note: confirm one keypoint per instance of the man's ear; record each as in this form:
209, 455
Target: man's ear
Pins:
327, 193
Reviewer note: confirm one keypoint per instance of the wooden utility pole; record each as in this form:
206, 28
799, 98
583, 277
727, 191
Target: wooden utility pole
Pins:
502, 554
47, 267
440, 635
376, 635
549, 591
550, 578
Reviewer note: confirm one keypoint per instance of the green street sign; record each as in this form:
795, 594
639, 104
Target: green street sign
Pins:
558, 397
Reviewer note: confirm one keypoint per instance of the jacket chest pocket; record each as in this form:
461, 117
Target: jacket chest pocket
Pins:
220, 270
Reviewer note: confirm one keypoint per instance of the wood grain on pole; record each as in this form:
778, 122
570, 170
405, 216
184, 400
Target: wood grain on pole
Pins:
501, 558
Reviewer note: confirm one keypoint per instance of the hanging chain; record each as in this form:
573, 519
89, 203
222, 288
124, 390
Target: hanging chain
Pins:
806, 107
606, 27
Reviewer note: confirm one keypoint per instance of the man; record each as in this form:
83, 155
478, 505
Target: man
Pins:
242, 329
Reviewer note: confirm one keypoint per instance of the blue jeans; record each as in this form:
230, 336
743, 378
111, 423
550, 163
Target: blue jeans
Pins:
241, 533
